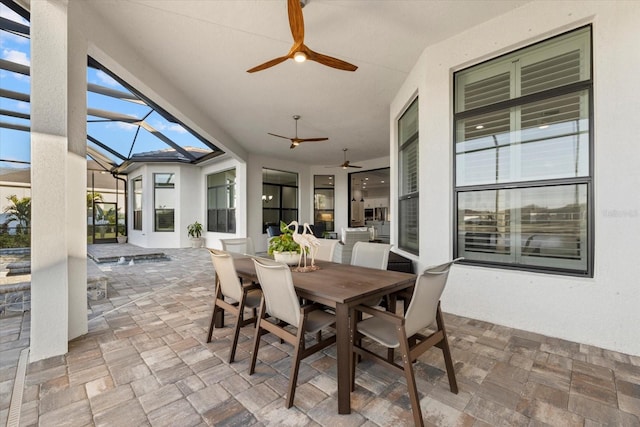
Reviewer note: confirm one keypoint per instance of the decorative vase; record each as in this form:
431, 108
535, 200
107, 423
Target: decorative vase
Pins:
196, 242
122, 239
290, 258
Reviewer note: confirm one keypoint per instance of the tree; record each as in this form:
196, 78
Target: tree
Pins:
19, 210
93, 196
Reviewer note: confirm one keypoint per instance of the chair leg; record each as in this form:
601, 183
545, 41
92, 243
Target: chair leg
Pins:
216, 310
295, 364
256, 340
409, 376
213, 321
236, 332
446, 352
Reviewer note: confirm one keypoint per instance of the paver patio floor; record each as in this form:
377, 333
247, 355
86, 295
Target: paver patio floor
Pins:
145, 362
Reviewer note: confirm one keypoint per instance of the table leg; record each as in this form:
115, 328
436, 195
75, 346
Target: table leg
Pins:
343, 355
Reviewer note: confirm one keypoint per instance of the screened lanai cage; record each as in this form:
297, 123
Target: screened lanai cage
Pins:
123, 127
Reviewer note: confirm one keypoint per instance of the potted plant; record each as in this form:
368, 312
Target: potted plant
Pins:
195, 234
122, 234
283, 247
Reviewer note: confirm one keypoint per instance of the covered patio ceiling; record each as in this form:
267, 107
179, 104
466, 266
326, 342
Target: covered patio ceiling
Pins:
203, 48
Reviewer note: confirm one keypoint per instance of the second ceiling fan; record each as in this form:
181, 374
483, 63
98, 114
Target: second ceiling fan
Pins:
295, 141
299, 51
347, 164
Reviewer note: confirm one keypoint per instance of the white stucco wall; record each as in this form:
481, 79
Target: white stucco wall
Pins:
189, 198
212, 239
603, 310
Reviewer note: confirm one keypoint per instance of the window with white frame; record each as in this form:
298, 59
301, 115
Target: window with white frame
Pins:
165, 199
408, 227
221, 202
523, 163
136, 183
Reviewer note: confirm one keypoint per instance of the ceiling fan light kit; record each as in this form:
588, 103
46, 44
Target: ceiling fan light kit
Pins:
299, 52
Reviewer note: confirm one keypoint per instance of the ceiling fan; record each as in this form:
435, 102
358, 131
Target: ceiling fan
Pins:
296, 141
346, 164
299, 51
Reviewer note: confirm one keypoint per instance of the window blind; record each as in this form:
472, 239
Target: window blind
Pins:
487, 91
551, 73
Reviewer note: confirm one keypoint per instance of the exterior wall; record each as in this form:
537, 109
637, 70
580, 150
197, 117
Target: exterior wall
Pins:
212, 239
190, 204
191, 193
602, 310
187, 207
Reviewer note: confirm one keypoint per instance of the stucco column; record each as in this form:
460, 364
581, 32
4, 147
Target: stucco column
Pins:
58, 180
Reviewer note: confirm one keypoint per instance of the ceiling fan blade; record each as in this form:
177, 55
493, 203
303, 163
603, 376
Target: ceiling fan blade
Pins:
329, 61
312, 139
268, 64
279, 136
296, 21
354, 166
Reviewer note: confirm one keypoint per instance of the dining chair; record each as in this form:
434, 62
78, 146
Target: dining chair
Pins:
240, 297
241, 245
371, 255
325, 251
279, 301
404, 332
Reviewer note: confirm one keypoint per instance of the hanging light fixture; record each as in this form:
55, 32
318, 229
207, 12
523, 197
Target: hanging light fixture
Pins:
361, 193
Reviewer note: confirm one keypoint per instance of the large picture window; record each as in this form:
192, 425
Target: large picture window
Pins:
279, 197
164, 199
523, 139
221, 202
408, 236
137, 202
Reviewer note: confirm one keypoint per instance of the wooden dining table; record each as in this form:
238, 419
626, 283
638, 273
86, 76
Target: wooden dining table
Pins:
340, 286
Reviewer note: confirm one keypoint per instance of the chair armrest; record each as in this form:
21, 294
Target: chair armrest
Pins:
389, 317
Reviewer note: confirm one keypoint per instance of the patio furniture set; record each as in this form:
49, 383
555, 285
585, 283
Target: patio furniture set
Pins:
341, 298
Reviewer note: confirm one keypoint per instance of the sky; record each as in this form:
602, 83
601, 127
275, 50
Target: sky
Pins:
15, 144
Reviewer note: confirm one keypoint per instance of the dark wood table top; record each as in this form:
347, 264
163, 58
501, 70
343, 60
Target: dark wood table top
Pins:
337, 283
